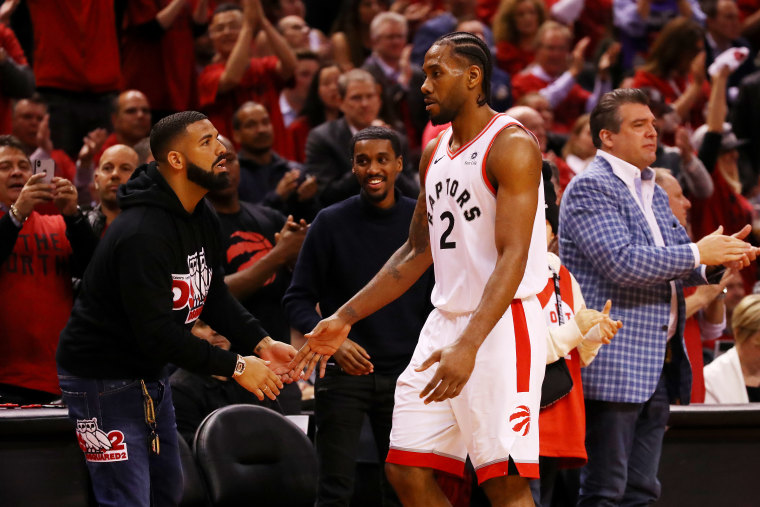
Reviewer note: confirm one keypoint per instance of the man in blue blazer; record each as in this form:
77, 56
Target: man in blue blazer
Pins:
619, 238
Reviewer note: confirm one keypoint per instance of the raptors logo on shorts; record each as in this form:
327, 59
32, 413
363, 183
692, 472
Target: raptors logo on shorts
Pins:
520, 420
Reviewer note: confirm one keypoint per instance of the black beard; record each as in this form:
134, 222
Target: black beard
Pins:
442, 118
374, 197
206, 179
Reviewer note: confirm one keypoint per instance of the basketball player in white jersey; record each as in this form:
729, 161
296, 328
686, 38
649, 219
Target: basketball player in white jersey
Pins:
480, 221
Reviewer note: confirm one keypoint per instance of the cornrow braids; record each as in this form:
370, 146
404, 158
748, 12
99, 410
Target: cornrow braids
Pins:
476, 52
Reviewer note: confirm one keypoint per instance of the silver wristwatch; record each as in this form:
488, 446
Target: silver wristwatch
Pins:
239, 366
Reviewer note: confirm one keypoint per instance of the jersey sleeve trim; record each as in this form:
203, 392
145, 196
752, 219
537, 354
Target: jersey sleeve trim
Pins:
488, 150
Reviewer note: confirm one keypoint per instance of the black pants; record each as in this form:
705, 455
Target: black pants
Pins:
342, 401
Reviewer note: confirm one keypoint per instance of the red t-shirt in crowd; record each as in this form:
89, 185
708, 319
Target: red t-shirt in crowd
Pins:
513, 59
566, 111
11, 46
75, 46
562, 426
260, 83
163, 68
36, 300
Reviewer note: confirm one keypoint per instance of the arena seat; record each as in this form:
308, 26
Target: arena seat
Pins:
710, 455
194, 489
254, 455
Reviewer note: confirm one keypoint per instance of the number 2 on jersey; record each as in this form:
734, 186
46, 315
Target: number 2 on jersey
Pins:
447, 215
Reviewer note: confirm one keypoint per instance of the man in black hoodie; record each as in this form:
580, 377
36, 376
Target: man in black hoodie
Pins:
156, 271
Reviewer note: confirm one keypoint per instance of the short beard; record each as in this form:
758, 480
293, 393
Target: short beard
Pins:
207, 179
374, 197
443, 117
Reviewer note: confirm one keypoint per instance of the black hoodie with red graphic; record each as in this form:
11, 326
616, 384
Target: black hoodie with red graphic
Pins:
156, 270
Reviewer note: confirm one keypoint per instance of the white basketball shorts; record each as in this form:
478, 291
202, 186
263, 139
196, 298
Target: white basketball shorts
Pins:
495, 417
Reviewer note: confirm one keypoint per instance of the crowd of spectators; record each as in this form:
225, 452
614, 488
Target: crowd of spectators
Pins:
288, 83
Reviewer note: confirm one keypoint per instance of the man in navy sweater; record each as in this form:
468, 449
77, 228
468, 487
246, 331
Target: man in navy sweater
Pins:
346, 245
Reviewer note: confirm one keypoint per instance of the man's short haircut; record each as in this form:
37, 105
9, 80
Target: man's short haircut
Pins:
143, 150
386, 17
660, 173
380, 133
476, 52
236, 114
9, 141
552, 26
353, 75
167, 129
606, 113
35, 98
226, 7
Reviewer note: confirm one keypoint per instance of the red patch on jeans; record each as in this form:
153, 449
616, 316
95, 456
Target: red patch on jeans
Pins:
97, 445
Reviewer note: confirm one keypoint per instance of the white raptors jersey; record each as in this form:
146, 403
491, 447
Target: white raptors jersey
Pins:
461, 212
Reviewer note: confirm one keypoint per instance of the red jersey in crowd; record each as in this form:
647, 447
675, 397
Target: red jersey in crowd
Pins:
75, 46
36, 301
11, 46
562, 426
171, 52
260, 83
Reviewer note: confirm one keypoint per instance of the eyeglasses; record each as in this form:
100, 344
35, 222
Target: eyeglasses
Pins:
150, 419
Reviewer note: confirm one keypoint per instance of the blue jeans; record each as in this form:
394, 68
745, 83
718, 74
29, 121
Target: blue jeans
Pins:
341, 402
624, 443
114, 436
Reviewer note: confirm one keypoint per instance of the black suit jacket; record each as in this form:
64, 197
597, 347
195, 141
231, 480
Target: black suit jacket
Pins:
327, 157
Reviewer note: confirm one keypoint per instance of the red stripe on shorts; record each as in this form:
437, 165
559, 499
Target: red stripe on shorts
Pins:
522, 347
426, 460
500, 469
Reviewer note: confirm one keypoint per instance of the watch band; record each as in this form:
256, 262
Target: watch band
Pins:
239, 366
15, 213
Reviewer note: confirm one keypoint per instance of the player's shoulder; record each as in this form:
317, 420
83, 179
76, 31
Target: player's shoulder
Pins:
514, 144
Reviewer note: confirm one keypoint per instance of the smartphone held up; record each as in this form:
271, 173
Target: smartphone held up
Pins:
47, 167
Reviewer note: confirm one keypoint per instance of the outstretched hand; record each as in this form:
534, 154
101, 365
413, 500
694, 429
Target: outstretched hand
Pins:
279, 355
456, 363
323, 341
